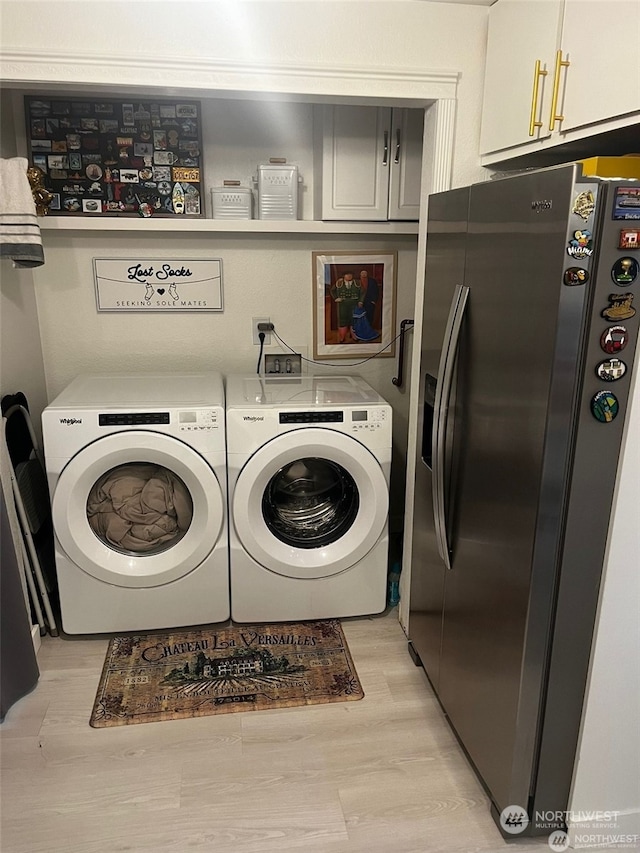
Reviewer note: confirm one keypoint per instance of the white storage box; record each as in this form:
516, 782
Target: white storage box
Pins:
232, 202
277, 191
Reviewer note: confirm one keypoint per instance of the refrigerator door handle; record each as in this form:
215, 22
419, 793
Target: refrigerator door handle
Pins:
441, 416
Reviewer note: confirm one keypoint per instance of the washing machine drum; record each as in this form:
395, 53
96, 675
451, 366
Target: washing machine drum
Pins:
137, 509
310, 503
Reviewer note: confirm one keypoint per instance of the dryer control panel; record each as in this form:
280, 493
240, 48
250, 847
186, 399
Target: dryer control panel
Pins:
311, 417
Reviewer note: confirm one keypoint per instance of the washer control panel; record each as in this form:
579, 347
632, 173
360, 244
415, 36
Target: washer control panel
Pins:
133, 418
197, 419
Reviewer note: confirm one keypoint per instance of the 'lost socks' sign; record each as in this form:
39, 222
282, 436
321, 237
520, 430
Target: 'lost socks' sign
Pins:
158, 284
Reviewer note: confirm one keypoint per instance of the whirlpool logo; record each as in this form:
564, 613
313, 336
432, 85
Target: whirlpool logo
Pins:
539, 206
253, 418
70, 421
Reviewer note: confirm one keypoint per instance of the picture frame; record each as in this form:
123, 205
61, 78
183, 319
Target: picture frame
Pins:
354, 315
102, 156
150, 285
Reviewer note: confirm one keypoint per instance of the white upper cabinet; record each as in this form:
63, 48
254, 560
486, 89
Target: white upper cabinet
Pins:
558, 70
370, 163
601, 40
405, 171
519, 72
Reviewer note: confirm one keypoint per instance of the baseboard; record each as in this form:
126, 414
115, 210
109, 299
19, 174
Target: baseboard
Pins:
35, 636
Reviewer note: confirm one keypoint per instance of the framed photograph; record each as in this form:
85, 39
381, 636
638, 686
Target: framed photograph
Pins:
354, 304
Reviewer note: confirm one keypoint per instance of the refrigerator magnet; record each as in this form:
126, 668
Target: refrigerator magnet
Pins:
620, 307
580, 245
611, 370
614, 339
575, 275
624, 271
604, 406
629, 238
584, 204
626, 203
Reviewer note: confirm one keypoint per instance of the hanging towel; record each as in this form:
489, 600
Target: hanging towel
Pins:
20, 237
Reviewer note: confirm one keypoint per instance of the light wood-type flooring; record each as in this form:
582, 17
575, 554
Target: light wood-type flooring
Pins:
380, 775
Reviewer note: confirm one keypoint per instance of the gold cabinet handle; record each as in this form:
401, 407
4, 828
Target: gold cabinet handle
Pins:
537, 74
560, 62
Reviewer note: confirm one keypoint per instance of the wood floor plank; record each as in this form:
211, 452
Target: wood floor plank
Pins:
294, 826
172, 741
114, 791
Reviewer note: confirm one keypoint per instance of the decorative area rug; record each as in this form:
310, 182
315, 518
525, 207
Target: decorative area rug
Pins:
222, 670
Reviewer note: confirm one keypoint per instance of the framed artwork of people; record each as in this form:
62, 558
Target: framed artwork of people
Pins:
354, 304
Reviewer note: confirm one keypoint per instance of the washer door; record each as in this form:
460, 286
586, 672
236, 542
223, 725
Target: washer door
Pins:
310, 503
137, 509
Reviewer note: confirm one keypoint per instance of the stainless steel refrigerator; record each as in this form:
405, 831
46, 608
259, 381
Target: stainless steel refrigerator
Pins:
528, 338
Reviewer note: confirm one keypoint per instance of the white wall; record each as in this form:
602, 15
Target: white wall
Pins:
21, 364
607, 772
22, 367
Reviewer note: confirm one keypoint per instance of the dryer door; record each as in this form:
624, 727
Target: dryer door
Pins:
310, 503
137, 509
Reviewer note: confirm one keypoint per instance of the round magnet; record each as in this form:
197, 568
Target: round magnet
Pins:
625, 271
614, 339
575, 275
604, 406
93, 172
611, 370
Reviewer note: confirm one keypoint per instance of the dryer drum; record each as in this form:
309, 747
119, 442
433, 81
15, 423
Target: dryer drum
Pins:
310, 503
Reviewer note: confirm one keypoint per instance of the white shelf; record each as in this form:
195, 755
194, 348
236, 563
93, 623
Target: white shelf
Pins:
238, 226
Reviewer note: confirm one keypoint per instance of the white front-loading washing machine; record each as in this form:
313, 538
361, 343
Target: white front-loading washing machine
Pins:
136, 466
308, 464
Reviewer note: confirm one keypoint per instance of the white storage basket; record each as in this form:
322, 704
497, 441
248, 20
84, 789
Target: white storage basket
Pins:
277, 191
232, 202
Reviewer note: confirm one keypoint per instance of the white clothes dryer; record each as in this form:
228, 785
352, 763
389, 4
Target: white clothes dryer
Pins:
136, 466
308, 462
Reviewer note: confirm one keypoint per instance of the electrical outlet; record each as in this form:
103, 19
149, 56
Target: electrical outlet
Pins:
255, 332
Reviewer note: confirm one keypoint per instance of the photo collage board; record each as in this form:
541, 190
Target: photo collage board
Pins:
139, 157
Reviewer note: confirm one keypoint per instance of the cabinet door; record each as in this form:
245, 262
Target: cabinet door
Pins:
601, 40
521, 32
356, 152
406, 163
